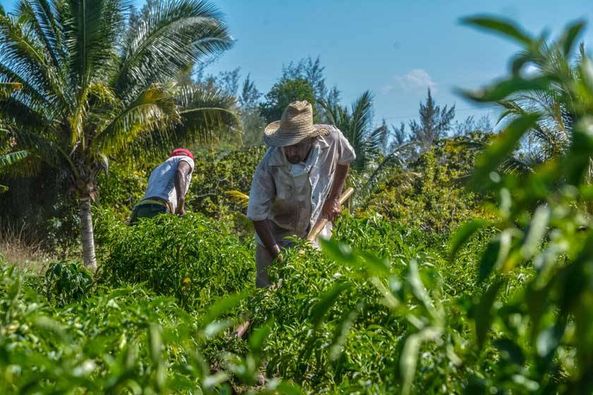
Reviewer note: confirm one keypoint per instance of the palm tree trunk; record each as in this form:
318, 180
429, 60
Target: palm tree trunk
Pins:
88, 238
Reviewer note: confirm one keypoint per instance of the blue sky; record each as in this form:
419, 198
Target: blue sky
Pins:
396, 49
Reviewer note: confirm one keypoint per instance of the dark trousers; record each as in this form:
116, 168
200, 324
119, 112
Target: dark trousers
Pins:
146, 211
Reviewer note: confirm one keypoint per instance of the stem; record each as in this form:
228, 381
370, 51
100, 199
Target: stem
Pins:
88, 239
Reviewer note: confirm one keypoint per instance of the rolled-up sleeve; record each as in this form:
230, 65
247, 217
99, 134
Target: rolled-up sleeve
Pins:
346, 154
261, 194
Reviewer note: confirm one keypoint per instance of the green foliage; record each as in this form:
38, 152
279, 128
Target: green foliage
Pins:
356, 125
123, 186
67, 282
431, 194
544, 328
91, 84
351, 321
217, 174
282, 94
192, 258
117, 341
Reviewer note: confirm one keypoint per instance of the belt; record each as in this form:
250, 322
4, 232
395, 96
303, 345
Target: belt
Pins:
157, 201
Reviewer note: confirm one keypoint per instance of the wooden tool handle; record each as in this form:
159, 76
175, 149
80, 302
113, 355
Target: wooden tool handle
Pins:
322, 222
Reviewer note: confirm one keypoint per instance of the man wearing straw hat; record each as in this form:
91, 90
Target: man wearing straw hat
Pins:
298, 182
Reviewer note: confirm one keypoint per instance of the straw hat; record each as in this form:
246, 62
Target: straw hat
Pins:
295, 125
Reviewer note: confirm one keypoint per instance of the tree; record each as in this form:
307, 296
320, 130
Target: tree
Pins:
551, 135
282, 94
472, 125
311, 71
433, 123
251, 118
91, 85
356, 125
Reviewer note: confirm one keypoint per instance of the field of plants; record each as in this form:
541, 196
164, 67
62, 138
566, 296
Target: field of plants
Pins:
463, 264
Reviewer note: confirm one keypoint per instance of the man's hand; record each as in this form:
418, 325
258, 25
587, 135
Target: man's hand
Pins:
276, 253
264, 231
331, 209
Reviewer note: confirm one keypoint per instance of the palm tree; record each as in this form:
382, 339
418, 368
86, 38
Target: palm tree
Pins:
92, 84
551, 135
356, 125
8, 159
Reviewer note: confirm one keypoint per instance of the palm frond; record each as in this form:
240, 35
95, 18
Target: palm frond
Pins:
23, 58
11, 158
204, 112
153, 109
41, 16
92, 30
356, 125
171, 38
7, 88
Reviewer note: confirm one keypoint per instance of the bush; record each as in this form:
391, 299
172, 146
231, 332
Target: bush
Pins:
123, 340
195, 259
66, 282
340, 320
431, 195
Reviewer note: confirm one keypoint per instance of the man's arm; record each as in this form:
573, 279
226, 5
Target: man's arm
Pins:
264, 231
331, 207
183, 169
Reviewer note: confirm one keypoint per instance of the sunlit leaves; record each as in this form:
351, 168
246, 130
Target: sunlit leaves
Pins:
463, 234
501, 148
500, 26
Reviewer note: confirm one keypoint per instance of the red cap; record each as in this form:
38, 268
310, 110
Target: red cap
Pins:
181, 152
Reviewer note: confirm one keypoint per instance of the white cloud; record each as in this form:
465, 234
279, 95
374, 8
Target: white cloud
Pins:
416, 80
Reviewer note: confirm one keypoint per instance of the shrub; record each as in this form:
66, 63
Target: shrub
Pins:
66, 282
192, 258
430, 195
123, 340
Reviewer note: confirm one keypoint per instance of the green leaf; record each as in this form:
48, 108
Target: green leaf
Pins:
375, 266
12, 157
409, 356
537, 231
343, 253
570, 35
483, 312
418, 288
339, 252
462, 235
222, 306
501, 90
549, 339
488, 260
579, 158
341, 333
256, 340
503, 27
215, 380
327, 301
156, 343
215, 327
52, 329
285, 388
501, 148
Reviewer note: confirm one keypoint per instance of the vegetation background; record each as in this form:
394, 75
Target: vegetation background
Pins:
463, 265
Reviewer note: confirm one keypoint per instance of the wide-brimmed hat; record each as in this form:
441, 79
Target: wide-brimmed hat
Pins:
295, 125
